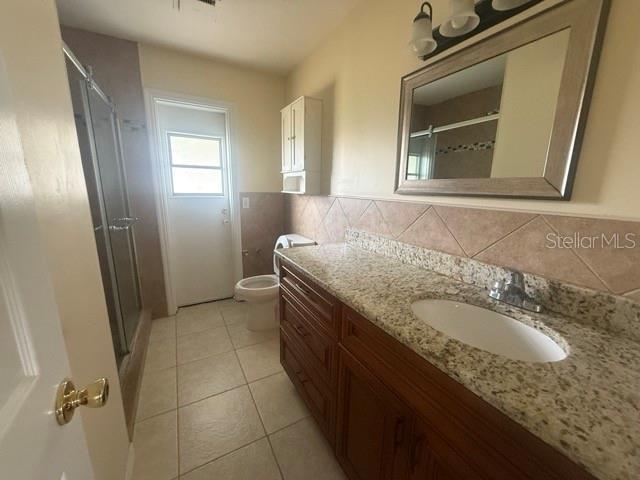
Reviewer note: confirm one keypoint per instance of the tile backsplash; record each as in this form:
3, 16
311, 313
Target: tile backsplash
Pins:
600, 254
261, 224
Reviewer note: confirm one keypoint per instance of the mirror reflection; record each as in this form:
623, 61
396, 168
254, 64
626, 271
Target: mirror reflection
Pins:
491, 120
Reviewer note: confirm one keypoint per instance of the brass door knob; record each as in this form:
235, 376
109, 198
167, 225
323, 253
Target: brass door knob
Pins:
94, 395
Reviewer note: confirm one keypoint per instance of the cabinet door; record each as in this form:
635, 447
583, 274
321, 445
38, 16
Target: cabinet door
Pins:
431, 458
373, 426
287, 133
297, 138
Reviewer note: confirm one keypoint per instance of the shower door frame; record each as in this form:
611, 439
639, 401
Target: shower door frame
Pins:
92, 85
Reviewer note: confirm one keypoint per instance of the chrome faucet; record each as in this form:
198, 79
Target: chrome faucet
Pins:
514, 292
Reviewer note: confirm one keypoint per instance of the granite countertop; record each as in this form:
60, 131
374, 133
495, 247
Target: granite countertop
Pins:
586, 406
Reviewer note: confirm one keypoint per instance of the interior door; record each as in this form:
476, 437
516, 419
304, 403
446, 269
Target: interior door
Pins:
196, 187
32, 352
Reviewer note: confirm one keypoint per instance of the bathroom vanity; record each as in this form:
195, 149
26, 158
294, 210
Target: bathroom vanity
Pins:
397, 399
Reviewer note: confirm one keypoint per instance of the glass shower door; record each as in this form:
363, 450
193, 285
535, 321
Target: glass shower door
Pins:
118, 222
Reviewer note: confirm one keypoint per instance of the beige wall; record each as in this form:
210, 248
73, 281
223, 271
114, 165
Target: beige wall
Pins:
43, 106
357, 73
528, 106
256, 99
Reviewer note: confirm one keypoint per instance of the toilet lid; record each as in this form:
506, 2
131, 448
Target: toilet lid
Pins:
289, 240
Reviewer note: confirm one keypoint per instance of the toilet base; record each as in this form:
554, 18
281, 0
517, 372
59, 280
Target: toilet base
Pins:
262, 315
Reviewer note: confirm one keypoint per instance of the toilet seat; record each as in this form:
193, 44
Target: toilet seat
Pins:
261, 287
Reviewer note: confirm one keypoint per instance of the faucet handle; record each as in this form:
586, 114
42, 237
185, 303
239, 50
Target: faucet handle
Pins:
515, 277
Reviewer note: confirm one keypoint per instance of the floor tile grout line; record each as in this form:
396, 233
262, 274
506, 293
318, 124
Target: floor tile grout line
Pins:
246, 384
275, 458
208, 462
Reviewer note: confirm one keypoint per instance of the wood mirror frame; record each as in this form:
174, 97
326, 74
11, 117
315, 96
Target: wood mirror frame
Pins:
586, 19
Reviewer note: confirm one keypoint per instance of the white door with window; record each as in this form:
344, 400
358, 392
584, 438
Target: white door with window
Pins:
33, 357
197, 192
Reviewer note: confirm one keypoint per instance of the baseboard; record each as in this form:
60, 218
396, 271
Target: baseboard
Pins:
131, 376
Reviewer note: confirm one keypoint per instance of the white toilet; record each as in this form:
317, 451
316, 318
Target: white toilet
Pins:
261, 292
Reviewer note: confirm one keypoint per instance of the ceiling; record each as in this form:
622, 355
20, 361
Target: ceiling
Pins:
482, 75
267, 34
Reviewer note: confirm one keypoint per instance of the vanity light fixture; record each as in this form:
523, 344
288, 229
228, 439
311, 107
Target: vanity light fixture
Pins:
468, 18
463, 19
503, 5
422, 42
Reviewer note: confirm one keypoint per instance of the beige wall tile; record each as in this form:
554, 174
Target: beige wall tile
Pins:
261, 224
476, 229
635, 296
526, 250
429, 231
618, 268
335, 223
399, 215
371, 221
353, 208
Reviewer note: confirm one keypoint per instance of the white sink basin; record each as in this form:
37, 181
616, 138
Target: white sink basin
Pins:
488, 330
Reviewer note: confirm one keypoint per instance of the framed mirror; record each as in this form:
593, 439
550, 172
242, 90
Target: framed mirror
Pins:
503, 117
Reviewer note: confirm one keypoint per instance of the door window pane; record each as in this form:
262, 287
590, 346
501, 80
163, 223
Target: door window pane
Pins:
197, 181
194, 151
196, 165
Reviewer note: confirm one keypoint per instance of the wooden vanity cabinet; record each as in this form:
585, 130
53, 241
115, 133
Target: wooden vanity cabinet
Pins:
373, 425
390, 414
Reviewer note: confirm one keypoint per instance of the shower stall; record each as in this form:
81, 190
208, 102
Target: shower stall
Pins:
100, 143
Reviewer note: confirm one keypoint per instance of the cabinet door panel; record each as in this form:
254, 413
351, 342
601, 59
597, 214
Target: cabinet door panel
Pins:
297, 138
372, 426
431, 458
286, 140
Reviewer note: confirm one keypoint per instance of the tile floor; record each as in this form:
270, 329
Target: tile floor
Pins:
215, 403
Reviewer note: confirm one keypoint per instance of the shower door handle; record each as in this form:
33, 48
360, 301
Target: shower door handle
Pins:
123, 223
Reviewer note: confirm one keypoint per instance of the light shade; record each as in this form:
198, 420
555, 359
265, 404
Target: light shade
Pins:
507, 4
422, 42
463, 19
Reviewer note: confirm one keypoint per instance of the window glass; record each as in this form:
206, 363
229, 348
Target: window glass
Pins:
197, 181
196, 165
194, 151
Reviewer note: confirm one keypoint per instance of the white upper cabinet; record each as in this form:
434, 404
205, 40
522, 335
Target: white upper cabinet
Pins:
287, 132
301, 145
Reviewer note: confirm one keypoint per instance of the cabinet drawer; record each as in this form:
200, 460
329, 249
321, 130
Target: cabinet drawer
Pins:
317, 301
316, 347
319, 398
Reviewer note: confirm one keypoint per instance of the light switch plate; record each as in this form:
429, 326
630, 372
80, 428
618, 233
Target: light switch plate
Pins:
245, 202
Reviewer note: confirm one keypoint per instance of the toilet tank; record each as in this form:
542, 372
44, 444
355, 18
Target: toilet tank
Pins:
289, 240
